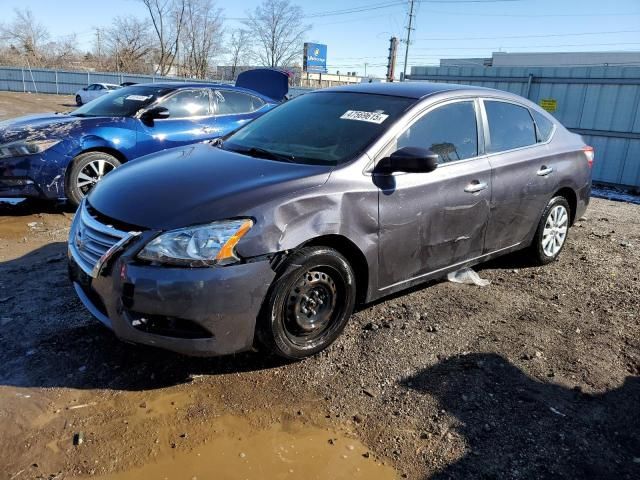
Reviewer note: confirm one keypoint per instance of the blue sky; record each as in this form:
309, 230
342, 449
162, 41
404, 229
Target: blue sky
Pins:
443, 28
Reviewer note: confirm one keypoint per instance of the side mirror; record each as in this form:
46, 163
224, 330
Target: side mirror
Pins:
409, 160
155, 113
85, 88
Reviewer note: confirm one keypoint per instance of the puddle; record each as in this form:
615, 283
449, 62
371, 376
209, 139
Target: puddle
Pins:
283, 451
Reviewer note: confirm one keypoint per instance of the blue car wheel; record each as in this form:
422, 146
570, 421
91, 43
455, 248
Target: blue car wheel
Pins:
86, 171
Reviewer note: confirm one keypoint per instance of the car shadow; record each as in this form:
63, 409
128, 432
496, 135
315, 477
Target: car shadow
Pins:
48, 338
515, 426
32, 206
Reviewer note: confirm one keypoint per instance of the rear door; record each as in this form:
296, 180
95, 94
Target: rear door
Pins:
190, 120
429, 221
233, 109
522, 173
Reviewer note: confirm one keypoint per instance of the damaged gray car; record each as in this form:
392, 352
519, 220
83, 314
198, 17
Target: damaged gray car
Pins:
271, 236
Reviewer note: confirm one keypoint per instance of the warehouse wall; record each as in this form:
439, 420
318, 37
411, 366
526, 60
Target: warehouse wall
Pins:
600, 103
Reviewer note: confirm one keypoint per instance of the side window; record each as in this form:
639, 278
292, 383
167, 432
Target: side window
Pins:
451, 131
510, 126
98, 87
544, 126
229, 102
188, 103
92, 87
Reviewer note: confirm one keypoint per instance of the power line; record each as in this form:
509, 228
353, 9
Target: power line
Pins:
435, 39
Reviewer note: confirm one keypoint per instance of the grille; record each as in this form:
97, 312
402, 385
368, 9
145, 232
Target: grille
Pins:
91, 242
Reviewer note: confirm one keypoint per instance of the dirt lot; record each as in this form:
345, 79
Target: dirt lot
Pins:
14, 104
534, 376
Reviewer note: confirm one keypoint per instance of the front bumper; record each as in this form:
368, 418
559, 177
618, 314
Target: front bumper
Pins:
41, 175
218, 305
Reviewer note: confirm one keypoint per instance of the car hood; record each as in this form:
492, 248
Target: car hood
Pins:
197, 184
45, 125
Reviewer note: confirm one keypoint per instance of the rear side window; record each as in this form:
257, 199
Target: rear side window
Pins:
544, 126
229, 103
510, 126
451, 131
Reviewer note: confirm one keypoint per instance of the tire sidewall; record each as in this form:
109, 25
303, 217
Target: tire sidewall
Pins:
78, 100
73, 193
273, 333
543, 258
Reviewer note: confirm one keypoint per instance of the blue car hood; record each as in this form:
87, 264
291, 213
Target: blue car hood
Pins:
198, 184
47, 125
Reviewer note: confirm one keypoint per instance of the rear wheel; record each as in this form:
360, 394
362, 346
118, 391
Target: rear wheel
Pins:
309, 303
78, 100
86, 171
552, 231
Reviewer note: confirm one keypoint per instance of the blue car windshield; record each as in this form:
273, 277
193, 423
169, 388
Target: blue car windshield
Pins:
123, 102
325, 128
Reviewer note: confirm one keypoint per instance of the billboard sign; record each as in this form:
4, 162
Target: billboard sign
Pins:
315, 58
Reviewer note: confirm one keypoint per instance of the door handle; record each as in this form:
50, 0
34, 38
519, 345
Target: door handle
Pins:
544, 171
475, 187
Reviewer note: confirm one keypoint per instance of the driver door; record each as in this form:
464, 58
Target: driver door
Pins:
430, 221
190, 121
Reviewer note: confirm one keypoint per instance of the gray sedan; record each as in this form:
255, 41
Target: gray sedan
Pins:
271, 236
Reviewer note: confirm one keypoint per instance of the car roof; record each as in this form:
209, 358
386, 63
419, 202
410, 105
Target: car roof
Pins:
177, 85
409, 89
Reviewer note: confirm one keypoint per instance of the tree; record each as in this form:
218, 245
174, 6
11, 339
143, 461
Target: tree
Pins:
25, 33
202, 36
128, 45
279, 31
167, 17
239, 49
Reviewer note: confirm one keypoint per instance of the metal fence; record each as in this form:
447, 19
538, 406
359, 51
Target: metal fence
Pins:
600, 103
66, 82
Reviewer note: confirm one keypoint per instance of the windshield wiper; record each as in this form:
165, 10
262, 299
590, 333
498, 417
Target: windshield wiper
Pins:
264, 153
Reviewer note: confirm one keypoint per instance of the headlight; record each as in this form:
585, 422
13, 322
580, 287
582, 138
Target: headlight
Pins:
25, 147
200, 246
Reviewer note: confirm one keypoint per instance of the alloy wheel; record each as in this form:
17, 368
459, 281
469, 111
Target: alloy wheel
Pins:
92, 173
555, 230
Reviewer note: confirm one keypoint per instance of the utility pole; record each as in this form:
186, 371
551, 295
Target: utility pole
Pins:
365, 69
391, 63
409, 28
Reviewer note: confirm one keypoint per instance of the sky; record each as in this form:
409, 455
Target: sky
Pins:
357, 32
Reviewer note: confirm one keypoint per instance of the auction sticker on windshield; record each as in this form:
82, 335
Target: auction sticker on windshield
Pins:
371, 117
138, 98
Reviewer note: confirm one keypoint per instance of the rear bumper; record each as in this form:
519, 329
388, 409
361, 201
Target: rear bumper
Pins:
218, 305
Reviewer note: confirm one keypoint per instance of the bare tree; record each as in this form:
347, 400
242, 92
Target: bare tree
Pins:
279, 31
240, 45
202, 36
25, 34
167, 17
128, 45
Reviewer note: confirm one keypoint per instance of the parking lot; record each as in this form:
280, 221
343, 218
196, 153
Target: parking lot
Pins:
535, 376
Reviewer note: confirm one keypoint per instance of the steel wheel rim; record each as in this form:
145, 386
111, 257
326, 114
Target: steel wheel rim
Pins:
92, 173
312, 306
555, 230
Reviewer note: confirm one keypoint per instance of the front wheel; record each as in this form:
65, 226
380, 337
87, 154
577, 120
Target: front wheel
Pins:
552, 231
86, 171
308, 304
78, 100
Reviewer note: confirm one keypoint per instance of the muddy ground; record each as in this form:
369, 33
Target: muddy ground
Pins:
534, 376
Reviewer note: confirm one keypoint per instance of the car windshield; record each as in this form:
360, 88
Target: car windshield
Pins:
123, 102
326, 128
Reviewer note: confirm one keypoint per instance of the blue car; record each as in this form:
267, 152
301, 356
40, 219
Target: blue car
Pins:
63, 155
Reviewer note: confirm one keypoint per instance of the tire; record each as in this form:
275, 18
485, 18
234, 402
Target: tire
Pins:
551, 234
308, 304
78, 100
86, 170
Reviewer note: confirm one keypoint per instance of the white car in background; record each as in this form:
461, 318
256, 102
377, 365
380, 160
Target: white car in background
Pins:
94, 91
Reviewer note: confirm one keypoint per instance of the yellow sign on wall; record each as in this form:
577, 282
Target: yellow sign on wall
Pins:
549, 104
